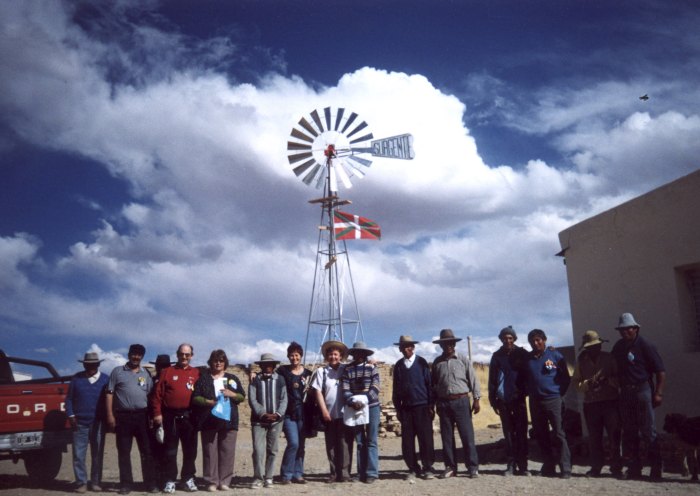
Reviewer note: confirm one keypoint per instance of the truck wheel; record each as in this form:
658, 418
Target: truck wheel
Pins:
43, 465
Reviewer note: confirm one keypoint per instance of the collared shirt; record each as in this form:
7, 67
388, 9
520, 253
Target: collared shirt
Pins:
174, 389
454, 375
130, 388
409, 361
94, 378
327, 380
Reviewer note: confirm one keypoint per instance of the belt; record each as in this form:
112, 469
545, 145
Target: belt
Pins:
451, 397
132, 412
635, 387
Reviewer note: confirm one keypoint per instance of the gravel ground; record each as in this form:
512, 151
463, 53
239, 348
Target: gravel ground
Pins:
13, 479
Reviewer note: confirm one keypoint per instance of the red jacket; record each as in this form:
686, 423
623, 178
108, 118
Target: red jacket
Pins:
174, 389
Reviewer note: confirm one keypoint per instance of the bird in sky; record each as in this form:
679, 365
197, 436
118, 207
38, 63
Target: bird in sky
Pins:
644, 97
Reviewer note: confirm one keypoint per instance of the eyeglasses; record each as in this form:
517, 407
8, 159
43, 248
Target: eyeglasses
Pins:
186, 355
219, 360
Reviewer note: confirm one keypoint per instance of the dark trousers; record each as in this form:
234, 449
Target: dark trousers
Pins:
546, 413
603, 416
130, 425
159, 461
638, 424
416, 422
457, 413
514, 422
179, 429
339, 442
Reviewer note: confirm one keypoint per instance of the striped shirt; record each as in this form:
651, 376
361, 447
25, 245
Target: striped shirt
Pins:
267, 394
360, 378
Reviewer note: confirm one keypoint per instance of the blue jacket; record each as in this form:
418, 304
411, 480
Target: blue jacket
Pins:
547, 375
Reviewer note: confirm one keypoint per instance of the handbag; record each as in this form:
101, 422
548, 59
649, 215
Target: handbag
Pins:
222, 409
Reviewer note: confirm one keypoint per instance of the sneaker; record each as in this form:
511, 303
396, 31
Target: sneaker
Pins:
82, 488
447, 474
410, 478
96, 488
190, 485
269, 483
169, 487
427, 475
224, 487
212, 488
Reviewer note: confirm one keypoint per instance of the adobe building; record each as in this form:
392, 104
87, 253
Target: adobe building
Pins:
643, 257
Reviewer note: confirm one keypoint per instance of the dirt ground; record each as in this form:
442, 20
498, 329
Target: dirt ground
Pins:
13, 479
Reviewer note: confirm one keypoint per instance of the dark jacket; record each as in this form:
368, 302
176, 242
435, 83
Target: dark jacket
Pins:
417, 392
204, 390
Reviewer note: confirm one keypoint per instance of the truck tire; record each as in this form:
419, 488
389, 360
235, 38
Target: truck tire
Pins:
43, 465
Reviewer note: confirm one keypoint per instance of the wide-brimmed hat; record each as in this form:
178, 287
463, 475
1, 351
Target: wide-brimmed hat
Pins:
447, 335
591, 338
406, 339
626, 320
359, 347
334, 344
267, 358
91, 357
163, 361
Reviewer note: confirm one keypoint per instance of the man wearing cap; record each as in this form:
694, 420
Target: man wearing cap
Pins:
642, 376
157, 447
267, 396
507, 392
413, 399
85, 409
127, 414
595, 376
453, 379
171, 409
360, 389
326, 385
547, 382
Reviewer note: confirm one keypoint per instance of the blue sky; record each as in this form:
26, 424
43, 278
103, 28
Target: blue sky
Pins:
147, 196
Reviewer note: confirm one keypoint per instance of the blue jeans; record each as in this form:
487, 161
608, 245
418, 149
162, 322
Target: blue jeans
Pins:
92, 434
293, 458
367, 447
457, 413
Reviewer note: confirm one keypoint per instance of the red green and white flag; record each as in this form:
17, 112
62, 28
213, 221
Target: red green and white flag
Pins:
349, 226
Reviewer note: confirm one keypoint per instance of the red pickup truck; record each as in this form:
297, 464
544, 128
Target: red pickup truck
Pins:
33, 422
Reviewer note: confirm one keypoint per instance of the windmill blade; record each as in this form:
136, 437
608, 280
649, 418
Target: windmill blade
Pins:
305, 124
327, 113
366, 137
317, 120
351, 119
342, 173
338, 118
333, 178
299, 156
299, 135
359, 128
355, 162
300, 169
291, 145
321, 177
308, 179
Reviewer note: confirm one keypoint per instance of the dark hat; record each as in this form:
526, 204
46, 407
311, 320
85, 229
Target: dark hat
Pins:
359, 347
163, 361
137, 349
445, 336
591, 338
267, 358
91, 357
334, 344
406, 339
508, 331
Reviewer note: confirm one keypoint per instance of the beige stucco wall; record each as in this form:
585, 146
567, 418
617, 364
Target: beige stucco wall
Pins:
631, 259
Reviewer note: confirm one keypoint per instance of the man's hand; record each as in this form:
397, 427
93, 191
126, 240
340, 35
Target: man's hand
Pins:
111, 423
158, 420
476, 407
656, 400
73, 423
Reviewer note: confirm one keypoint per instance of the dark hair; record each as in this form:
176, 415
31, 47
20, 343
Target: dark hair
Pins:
218, 355
295, 347
536, 333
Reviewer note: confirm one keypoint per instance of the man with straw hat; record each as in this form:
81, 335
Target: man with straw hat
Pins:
85, 407
413, 399
453, 380
267, 396
595, 376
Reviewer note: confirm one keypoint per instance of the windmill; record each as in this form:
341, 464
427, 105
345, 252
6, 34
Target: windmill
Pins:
326, 149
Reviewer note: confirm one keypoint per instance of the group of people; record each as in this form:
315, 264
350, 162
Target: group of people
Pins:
164, 413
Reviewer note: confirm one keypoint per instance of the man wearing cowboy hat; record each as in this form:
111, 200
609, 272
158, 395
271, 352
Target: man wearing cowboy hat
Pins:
413, 399
453, 379
642, 376
158, 450
85, 409
360, 388
326, 385
595, 376
267, 396
507, 392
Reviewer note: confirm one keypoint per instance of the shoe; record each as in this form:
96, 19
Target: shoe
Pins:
257, 484
300, 480
284, 482
655, 475
82, 488
269, 483
593, 473
427, 475
410, 478
95, 488
169, 487
154, 490
508, 471
371, 480
224, 487
124, 490
548, 471
474, 474
447, 474
523, 472
212, 488
331, 479
565, 475
631, 475
190, 486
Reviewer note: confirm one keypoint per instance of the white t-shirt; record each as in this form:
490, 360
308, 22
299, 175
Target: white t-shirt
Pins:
219, 385
330, 391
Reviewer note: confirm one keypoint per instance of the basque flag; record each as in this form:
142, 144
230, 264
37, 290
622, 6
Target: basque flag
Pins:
349, 226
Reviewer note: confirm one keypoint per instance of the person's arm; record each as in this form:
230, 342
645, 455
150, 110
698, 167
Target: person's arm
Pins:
580, 383
493, 385
282, 406
473, 381
257, 407
69, 405
657, 398
564, 377
111, 422
157, 398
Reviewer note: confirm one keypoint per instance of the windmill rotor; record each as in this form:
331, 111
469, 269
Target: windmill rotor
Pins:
314, 135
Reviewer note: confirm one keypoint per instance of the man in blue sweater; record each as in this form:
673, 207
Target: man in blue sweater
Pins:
547, 380
85, 409
415, 406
